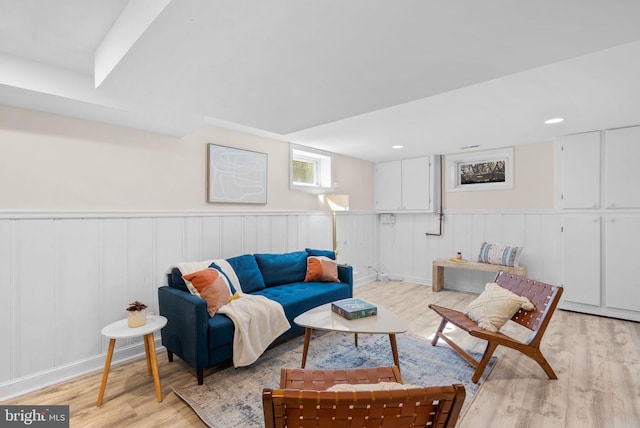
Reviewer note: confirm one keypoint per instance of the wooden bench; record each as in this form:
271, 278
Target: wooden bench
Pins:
437, 282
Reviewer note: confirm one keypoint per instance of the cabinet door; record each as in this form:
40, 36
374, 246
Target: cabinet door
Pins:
622, 177
388, 186
622, 282
416, 184
581, 257
581, 170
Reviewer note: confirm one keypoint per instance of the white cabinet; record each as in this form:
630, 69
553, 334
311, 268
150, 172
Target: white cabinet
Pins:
388, 181
581, 170
622, 153
599, 182
408, 185
581, 257
622, 268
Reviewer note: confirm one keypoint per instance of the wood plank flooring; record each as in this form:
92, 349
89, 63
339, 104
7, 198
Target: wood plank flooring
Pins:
597, 361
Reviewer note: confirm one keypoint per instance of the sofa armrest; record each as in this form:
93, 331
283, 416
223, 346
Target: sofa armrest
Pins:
186, 332
345, 274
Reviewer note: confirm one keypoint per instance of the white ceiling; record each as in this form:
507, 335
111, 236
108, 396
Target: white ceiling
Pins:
353, 77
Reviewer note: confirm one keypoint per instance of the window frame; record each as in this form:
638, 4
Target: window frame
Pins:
323, 177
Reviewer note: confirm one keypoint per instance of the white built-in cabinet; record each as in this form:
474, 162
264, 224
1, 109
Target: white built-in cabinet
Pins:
600, 200
408, 185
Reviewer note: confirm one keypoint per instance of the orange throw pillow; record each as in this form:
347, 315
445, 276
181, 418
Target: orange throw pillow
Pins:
212, 286
321, 268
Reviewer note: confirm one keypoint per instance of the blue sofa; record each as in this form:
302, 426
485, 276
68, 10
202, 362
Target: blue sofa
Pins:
202, 341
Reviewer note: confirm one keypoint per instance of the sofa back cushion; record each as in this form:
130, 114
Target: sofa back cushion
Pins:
175, 280
248, 272
282, 268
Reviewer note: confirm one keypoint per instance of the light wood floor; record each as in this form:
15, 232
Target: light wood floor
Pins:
597, 361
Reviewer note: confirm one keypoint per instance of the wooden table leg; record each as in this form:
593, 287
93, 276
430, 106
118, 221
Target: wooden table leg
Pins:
356, 339
305, 348
147, 354
105, 373
437, 278
394, 350
151, 351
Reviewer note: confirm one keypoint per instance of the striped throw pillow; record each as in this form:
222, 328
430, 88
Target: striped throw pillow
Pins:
496, 254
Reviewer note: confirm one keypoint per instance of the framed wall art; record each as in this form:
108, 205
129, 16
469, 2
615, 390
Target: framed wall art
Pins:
236, 175
486, 170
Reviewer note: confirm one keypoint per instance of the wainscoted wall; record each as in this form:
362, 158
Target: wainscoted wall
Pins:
406, 252
65, 275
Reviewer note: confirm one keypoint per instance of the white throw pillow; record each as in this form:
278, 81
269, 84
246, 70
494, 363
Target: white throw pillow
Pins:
495, 306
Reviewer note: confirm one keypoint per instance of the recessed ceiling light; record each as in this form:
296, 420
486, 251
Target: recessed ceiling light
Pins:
398, 146
554, 120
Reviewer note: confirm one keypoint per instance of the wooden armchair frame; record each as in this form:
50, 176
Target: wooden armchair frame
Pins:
545, 298
303, 402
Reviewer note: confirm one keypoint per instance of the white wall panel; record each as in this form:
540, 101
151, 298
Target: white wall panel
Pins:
193, 239
231, 235
7, 314
263, 235
35, 287
279, 234
139, 264
113, 273
249, 235
211, 238
77, 265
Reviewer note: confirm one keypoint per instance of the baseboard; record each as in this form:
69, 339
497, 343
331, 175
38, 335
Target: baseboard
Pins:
36, 381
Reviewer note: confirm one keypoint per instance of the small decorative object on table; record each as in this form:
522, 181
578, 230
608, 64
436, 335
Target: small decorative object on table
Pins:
136, 314
354, 308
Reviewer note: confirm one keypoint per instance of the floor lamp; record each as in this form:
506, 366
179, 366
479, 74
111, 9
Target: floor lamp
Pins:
336, 203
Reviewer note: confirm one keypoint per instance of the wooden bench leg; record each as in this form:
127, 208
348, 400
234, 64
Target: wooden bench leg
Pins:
437, 278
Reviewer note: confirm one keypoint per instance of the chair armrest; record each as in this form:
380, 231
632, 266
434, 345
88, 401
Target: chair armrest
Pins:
345, 274
187, 325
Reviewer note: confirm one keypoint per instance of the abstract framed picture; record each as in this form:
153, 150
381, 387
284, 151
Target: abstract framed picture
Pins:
487, 170
236, 176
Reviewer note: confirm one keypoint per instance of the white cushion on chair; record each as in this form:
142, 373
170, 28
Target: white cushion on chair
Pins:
495, 306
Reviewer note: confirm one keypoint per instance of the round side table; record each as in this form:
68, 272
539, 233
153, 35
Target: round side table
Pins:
120, 330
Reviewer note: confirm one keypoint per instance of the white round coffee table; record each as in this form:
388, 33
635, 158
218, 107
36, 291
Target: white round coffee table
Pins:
323, 318
121, 330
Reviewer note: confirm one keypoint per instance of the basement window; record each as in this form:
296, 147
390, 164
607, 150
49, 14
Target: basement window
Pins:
310, 169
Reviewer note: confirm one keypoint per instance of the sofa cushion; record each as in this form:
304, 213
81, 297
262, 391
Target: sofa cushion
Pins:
326, 253
248, 272
282, 268
321, 268
299, 297
213, 286
176, 281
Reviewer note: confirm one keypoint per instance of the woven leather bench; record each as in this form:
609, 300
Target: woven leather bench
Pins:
302, 401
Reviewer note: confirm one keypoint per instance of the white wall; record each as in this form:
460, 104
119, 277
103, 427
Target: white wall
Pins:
92, 216
405, 250
65, 275
533, 178
52, 162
